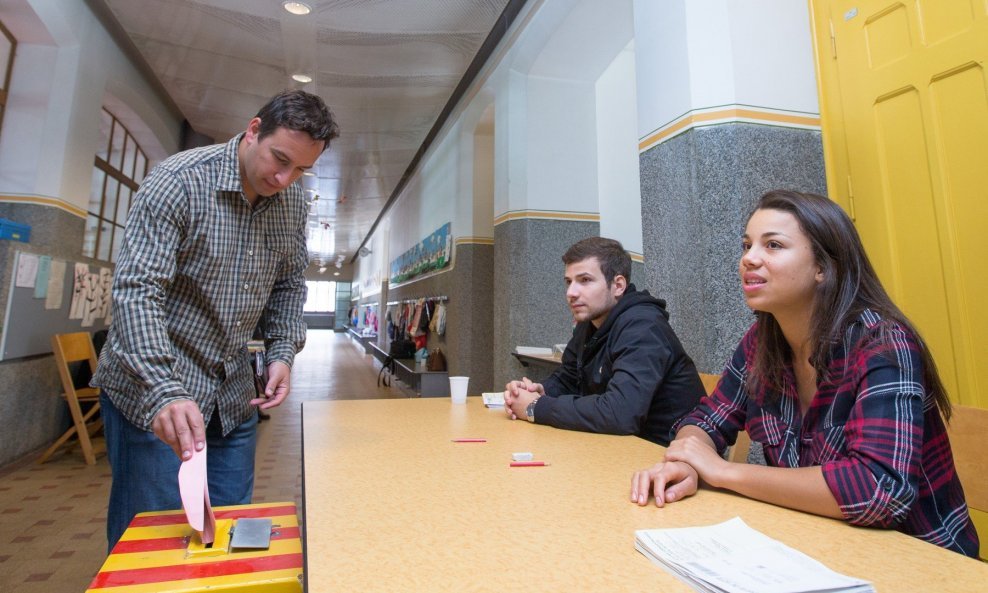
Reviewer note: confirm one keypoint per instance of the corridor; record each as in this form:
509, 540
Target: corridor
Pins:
53, 516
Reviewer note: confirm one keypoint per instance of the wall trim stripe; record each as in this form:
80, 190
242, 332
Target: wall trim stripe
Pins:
730, 114
474, 241
44, 201
547, 215
637, 257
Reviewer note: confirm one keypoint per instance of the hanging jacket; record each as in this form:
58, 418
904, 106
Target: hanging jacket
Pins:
441, 319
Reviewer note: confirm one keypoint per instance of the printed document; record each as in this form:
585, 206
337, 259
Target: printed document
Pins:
731, 557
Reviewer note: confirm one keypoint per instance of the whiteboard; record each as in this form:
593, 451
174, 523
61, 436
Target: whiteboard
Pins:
28, 325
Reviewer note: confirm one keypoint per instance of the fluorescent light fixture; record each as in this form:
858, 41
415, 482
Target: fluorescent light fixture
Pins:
336, 273
303, 78
309, 174
298, 8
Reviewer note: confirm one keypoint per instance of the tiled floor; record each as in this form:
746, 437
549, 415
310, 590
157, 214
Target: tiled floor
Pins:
53, 516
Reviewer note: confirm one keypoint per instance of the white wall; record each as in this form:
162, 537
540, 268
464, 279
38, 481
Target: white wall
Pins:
564, 135
562, 147
617, 153
61, 76
703, 54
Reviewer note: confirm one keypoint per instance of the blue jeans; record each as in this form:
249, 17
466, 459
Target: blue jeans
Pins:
145, 469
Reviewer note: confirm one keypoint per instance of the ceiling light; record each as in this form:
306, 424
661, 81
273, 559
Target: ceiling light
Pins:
322, 270
308, 173
336, 273
303, 78
298, 8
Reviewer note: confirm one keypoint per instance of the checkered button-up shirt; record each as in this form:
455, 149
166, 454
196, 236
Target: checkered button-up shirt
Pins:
872, 427
197, 269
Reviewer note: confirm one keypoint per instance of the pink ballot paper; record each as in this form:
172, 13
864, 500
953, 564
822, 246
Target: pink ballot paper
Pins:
194, 490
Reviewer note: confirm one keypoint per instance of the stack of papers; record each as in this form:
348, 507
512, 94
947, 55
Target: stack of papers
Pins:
732, 557
533, 351
493, 399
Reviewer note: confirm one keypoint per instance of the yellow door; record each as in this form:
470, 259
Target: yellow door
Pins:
904, 100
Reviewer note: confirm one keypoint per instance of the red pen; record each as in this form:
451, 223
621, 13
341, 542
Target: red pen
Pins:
528, 464
469, 440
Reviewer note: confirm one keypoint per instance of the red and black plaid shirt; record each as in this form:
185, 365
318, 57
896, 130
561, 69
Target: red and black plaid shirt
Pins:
872, 426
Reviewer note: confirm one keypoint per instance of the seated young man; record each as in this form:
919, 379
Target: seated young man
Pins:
624, 370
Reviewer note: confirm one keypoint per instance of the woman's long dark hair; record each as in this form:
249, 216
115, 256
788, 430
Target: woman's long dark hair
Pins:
849, 286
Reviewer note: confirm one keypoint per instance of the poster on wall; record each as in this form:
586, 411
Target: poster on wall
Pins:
432, 253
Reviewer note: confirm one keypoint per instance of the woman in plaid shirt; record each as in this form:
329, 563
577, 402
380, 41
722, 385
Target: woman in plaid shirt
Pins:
833, 381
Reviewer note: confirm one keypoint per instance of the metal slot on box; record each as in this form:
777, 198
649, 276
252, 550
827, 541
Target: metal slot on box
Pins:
220, 545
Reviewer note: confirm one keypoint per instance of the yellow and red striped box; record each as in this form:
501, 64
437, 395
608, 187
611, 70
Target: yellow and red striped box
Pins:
153, 556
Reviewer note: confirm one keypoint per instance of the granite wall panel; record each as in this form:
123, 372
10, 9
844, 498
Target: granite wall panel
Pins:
468, 340
529, 293
697, 191
31, 399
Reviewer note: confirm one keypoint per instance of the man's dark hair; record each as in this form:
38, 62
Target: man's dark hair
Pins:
613, 259
298, 110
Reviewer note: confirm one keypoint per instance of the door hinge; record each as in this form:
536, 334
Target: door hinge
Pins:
850, 199
833, 41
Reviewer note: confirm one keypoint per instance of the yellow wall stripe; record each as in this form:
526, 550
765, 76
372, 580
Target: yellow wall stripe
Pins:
46, 201
727, 115
638, 257
547, 214
474, 241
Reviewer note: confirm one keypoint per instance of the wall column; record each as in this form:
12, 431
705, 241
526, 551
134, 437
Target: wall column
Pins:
723, 117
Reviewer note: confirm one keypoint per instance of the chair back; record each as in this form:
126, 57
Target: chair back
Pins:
968, 443
709, 381
69, 349
738, 453
74, 348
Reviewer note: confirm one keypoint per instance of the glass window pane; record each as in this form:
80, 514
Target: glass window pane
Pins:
96, 190
321, 296
130, 147
110, 198
118, 235
331, 296
89, 239
123, 206
142, 163
105, 123
103, 241
116, 150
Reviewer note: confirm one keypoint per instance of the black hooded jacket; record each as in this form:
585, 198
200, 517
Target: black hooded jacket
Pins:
630, 376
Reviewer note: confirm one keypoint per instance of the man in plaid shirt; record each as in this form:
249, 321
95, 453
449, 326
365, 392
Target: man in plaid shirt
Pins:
214, 241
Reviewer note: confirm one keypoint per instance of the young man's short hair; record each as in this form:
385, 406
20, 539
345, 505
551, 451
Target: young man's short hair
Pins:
298, 110
613, 259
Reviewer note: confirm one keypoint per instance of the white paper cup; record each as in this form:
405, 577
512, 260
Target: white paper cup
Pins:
458, 389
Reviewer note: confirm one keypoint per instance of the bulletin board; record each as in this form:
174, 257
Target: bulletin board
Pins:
80, 291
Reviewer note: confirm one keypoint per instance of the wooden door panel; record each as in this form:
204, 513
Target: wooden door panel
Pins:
911, 139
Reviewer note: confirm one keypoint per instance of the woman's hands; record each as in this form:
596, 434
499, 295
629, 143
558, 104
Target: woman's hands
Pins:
669, 481
689, 459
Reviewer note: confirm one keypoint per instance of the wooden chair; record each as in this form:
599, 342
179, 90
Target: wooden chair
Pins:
68, 349
739, 452
968, 442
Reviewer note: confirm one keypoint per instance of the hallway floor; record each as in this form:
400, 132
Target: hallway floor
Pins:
53, 516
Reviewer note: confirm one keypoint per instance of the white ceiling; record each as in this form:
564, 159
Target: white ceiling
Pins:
385, 67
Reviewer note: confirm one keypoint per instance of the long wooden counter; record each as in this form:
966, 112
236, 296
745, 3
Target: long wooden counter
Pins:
391, 504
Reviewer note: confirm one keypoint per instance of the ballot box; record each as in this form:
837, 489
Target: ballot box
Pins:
161, 553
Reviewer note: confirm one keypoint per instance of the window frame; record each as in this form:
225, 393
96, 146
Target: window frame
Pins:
108, 224
9, 70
